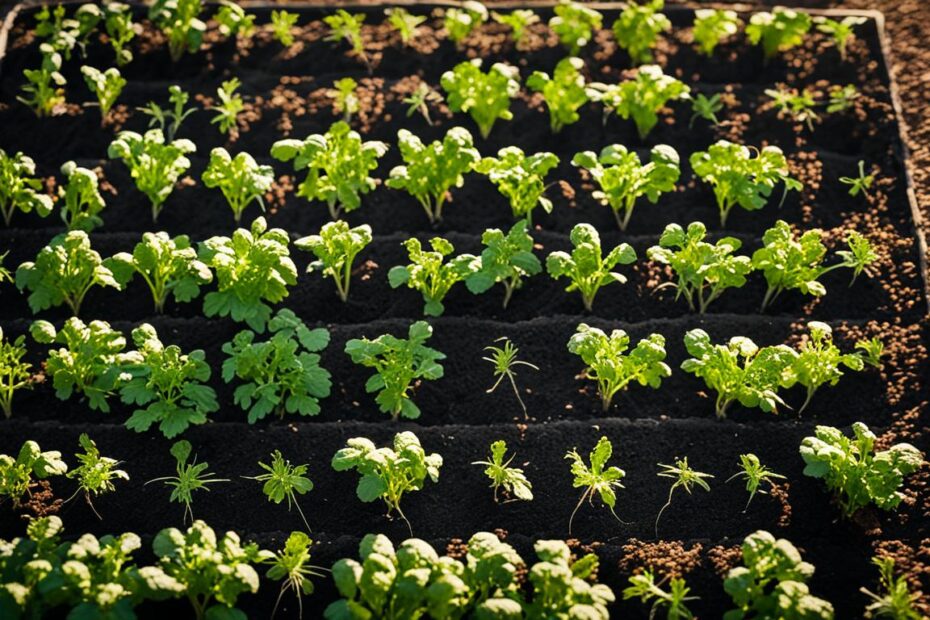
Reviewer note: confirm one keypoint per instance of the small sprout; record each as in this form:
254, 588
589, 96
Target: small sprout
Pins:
485, 96
82, 202
404, 22
778, 30
564, 93
240, 178
861, 183
575, 24
799, 105
462, 21
521, 178
819, 361
335, 248
345, 26
596, 479
504, 359
19, 189
5, 275
711, 26
345, 99
191, 476
169, 120
644, 587
519, 21
429, 274
16, 474
234, 21
842, 31
283, 481
638, 27
511, 479
506, 259
229, 107
420, 100
754, 473
896, 600
120, 30
96, 473
15, 372
291, 566
179, 20
282, 24
685, 477
871, 351
586, 266
841, 98
706, 108
44, 90
106, 86
640, 98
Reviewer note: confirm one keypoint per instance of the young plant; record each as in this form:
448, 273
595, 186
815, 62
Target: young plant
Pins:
282, 374
191, 476
586, 266
643, 586
233, 21
485, 96
640, 98
738, 178
282, 24
96, 473
504, 359
168, 386
240, 178
842, 31
90, 360
575, 24
430, 171
63, 273
511, 479
818, 362
429, 274
520, 178
563, 586
335, 249
638, 27
15, 372
155, 164
506, 259
624, 178
337, 164
387, 474
253, 269
420, 100
345, 99
81, 198
859, 184
608, 363
739, 371
120, 30
841, 98
345, 26
179, 21
398, 363
64, 34
404, 22
461, 22
19, 189
778, 30
596, 479
284, 481
519, 21
852, 469
896, 600
16, 474
564, 92
169, 119
44, 89
798, 104
106, 86
703, 270
5, 275
754, 473
685, 477
291, 566
711, 26
229, 107
706, 108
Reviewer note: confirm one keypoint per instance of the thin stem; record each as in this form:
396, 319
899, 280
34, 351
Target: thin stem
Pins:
667, 504
810, 394
516, 392
404, 517
296, 503
577, 506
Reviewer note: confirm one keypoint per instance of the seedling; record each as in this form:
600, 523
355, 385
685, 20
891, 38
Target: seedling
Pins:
44, 91
586, 266
169, 266
854, 472
896, 601
63, 273
335, 248
608, 363
229, 107
430, 274
506, 259
819, 362
253, 269
120, 30
169, 120
337, 163
575, 24
345, 26
283, 481
778, 30
15, 372
420, 100
564, 92
685, 477
65, 34
387, 474
405, 23
292, 567
191, 476
5, 275
282, 25
96, 473
623, 178
520, 178
596, 478
240, 178
398, 363
643, 586
345, 99
738, 178
81, 199
233, 21
19, 189
712, 26
511, 479
16, 474
519, 21
462, 21
179, 20
799, 105
169, 387
871, 351
841, 98
504, 359
155, 164
754, 473
842, 31
706, 108
430, 171
485, 96
640, 98
106, 86
638, 27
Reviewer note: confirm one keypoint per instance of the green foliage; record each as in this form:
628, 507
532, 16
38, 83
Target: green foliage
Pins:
504, 358
345, 26
228, 109
63, 272
337, 164
595, 479
282, 22
191, 476
398, 363
754, 473
859, 184
279, 375
485, 96
429, 274
387, 474
168, 386
26, 564
404, 22
638, 27
511, 479
854, 471
519, 21
240, 178
430, 171
15, 372
564, 92
106, 86
506, 259
711, 26
674, 600
703, 270
778, 30
169, 119
283, 481
871, 351
154, 164
291, 565
623, 178
586, 266
96, 473
179, 21
5, 275
841, 98
738, 178
461, 22
345, 99
44, 91
842, 31
575, 24
120, 30
233, 20
253, 269
335, 249
819, 361
798, 104
81, 197
19, 190
520, 178
419, 100
640, 98
685, 477
16, 474
64, 34
562, 588
706, 108
612, 367
896, 600
772, 582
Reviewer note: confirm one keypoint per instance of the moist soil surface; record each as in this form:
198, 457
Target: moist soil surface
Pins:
287, 95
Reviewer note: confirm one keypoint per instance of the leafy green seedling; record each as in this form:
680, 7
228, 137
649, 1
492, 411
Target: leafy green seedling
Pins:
841, 98
65, 34
229, 107
16, 474
335, 249
240, 178
15, 372
871, 351
778, 30
506, 259
484, 95
345, 26
5, 275
643, 586
462, 21
596, 479
430, 274
106, 86
504, 359
179, 20
842, 31
685, 477
638, 27
44, 89
754, 473
859, 184
511, 479
282, 25
233, 21
706, 108
519, 21
798, 104
191, 476
169, 120
405, 23
81, 199
564, 93
819, 361
120, 30
96, 473
711, 26
420, 100
291, 565
19, 189
283, 481
345, 98
575, 24
640, 98
895, 601
520, 178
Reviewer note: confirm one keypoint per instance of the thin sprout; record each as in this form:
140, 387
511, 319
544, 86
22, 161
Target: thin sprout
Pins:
504, 359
